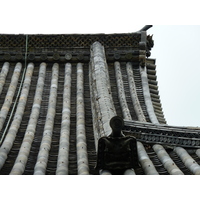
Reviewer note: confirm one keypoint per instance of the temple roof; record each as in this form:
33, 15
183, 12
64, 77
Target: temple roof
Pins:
59, 92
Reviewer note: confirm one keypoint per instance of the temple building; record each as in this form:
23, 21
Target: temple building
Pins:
87, 104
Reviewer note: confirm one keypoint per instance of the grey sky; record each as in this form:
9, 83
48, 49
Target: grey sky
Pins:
177, 50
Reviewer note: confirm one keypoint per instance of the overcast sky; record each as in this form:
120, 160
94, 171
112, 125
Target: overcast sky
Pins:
176, 49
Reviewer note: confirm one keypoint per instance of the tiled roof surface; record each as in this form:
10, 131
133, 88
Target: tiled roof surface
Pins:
55, 108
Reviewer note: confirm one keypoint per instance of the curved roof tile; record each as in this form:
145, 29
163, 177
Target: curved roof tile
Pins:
60, 103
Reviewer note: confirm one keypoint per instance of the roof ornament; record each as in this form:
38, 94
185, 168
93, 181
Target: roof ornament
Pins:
145, 28
116, 123
117, 152
145, 45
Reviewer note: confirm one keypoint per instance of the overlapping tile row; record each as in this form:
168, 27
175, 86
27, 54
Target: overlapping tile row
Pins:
167, 162
133, 93
24, 150
144, 160
147, 96
163, 156
11, 134
42, 159
63, 154
102, 102
81, 145
188, 161
10, 94
121, 92
135, 101
64, 108
121, 96
3, 75
153, 88
101, 92
34, 145
154, 159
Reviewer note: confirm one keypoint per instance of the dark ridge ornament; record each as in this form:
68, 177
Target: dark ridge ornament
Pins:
117, 124
56, 56
116, 152
7, 56
43, 56
31, 56
117, 56
80, 57
68, 56
146, 27
19, 56
129, 56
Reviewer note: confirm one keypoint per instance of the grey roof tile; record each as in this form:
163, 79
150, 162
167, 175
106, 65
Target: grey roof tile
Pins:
61, 104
